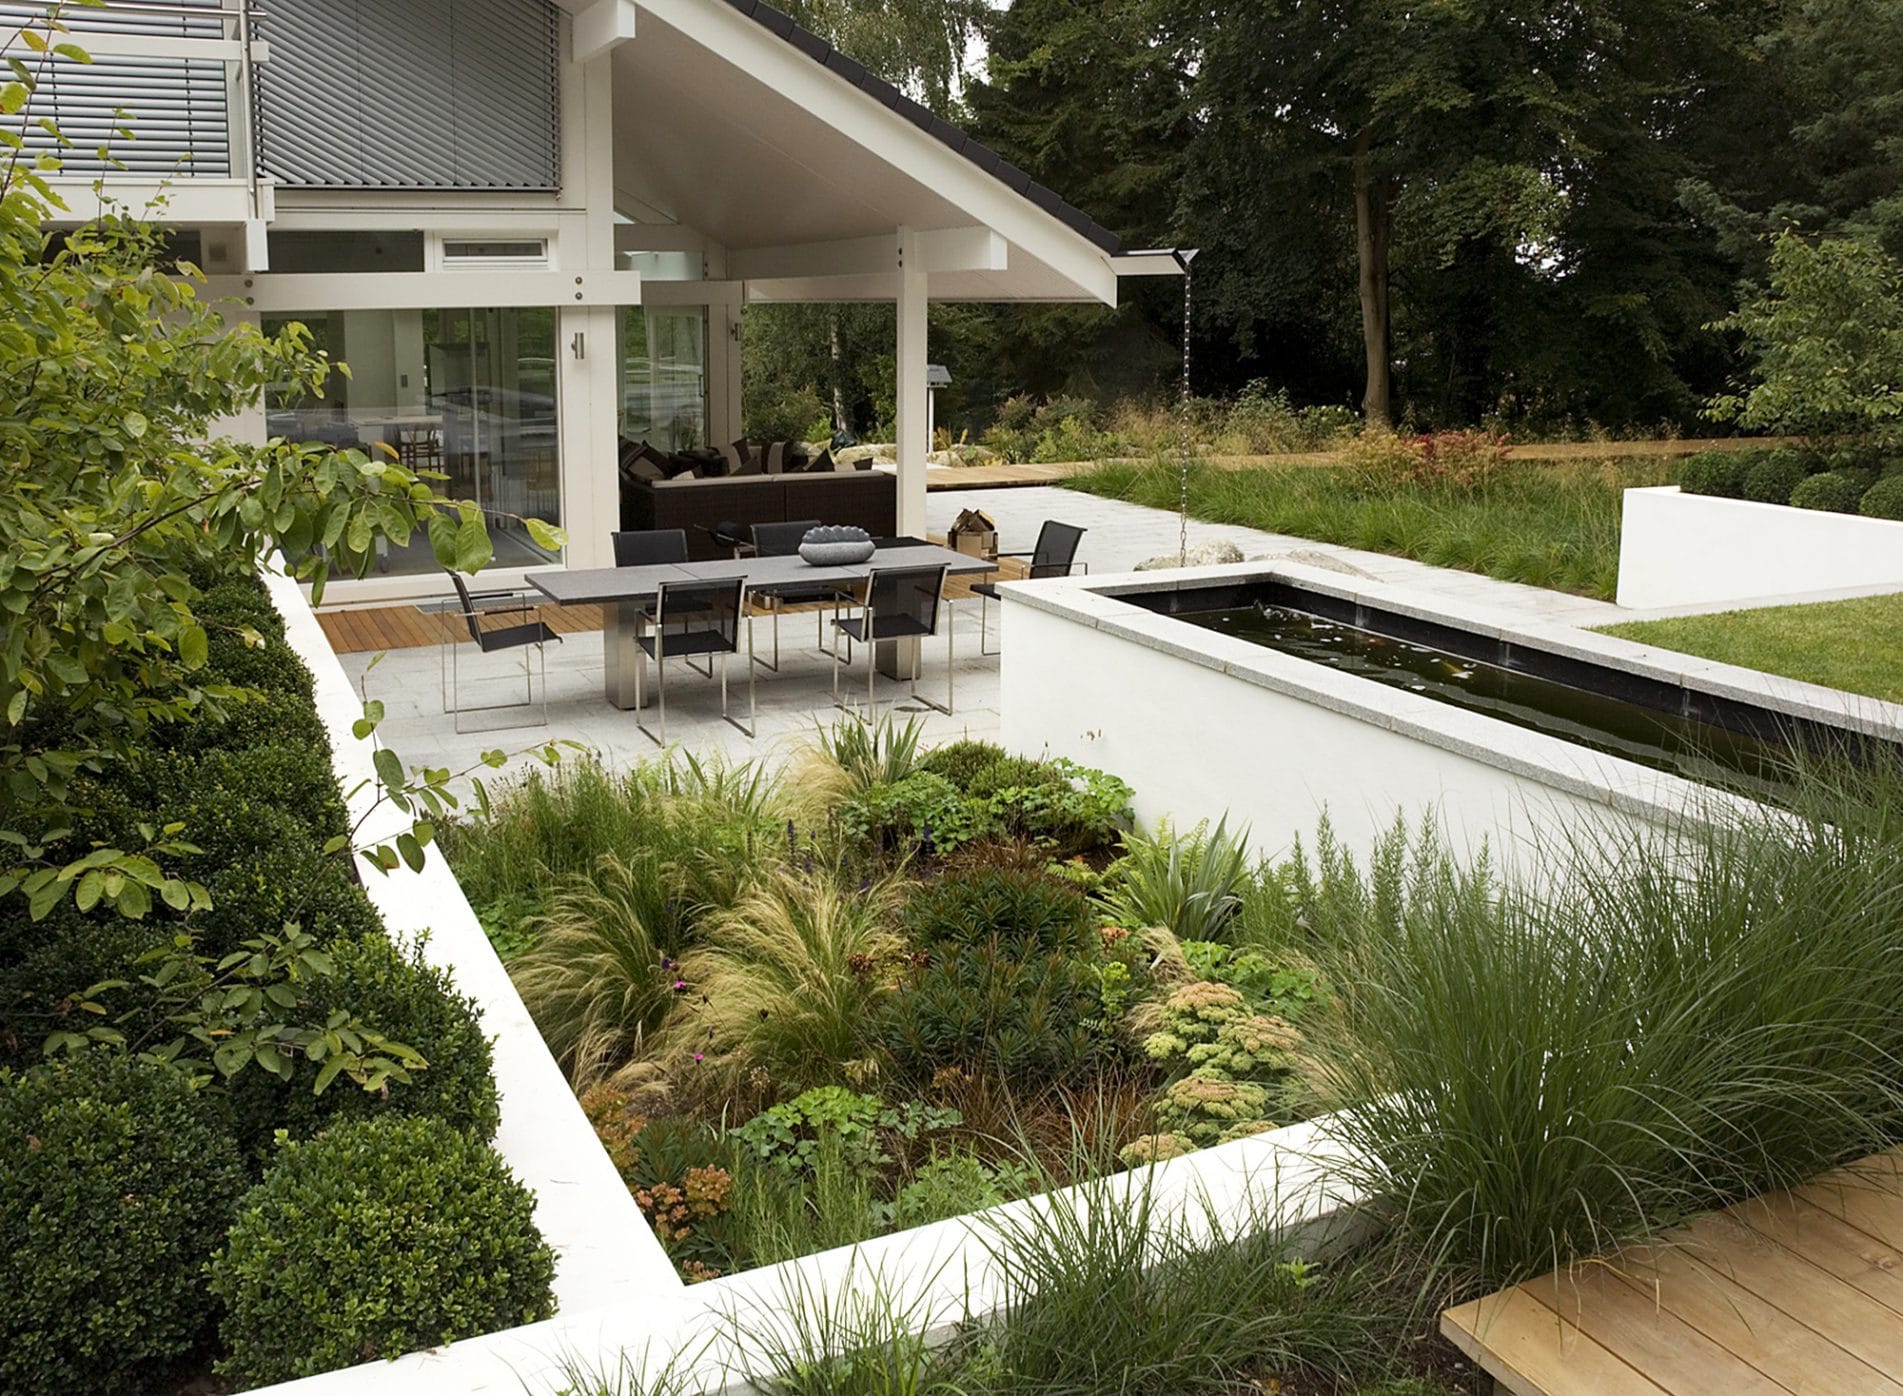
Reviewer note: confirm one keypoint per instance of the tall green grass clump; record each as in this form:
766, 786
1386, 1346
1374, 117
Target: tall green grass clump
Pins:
1192, 883
1676, 1018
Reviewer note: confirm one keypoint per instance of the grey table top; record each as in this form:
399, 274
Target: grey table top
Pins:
587, 585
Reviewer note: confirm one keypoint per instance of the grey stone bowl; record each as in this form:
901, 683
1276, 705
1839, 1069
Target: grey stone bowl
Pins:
835, 546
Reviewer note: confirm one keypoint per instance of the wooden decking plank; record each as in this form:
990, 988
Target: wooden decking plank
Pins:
1531, 1351
1826, 1305
1853, 1256
1750, 1326
358, 636
1654, 1341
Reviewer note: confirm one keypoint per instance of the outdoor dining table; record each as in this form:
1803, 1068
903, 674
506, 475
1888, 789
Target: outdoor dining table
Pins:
627, 595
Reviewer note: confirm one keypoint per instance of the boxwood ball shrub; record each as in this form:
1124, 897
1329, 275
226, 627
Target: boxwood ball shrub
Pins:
1719, 473
1839, 491
403, 998
1884, 499
1773, 478
117, 1180
378, 1238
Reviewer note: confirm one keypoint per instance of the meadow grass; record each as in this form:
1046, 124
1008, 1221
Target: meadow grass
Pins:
1855, 645
1546, 524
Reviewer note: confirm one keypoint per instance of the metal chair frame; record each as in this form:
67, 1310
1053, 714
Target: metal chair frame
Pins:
776, 603
486, 643
655, 644
1068, 567
868, 625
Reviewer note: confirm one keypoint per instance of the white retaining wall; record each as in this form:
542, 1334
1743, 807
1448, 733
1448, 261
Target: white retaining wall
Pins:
1679, 549
1204, 725
605, 1251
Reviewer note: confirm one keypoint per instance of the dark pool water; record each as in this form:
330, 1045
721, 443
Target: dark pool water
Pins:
1663, 740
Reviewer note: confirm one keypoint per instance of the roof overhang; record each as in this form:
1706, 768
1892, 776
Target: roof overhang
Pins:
802, 168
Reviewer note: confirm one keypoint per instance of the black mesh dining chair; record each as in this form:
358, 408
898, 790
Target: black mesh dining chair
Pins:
649, 547
783, 540
521, 636
900, 603
1054, 556
696, 618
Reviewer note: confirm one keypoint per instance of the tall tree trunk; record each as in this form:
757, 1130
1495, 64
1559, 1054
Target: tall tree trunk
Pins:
839, 395
1373, 224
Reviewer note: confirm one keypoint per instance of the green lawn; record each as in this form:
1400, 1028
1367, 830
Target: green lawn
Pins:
1548, 524
1853, 645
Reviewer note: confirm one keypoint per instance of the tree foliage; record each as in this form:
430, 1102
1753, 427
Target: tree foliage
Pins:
121, 498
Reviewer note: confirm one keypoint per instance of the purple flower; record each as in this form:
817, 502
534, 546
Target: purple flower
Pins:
680, 986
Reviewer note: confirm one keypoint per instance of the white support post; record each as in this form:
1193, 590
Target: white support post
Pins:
914, 405
899, 659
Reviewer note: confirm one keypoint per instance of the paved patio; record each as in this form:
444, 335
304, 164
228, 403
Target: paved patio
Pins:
792, 701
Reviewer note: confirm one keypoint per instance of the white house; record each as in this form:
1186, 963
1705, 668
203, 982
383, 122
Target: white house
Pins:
530, 225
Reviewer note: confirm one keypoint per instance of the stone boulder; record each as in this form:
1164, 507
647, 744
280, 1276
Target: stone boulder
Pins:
1200, 555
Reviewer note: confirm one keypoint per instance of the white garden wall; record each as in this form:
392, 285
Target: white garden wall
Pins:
604, 1250
1678, 549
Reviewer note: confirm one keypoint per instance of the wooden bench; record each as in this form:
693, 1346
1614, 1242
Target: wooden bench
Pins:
1798, 1291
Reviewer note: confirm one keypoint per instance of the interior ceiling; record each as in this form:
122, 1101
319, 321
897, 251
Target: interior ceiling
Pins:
718, 150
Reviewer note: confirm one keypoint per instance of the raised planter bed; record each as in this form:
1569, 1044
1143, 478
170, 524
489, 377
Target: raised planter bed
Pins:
1678, 549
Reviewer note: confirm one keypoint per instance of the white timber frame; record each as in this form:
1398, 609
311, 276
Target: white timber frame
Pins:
879, 210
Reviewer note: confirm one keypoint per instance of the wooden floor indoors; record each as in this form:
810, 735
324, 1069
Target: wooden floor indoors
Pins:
1794, 1292
369, 629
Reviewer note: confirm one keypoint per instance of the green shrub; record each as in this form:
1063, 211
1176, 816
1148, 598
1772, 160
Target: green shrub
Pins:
378, 1238
960, 761
1884, 499
1073, 809
1023, 909
955, 1185
1031, 1021
407, 1000
116, 1182
1773, 478
1838, 491
1720, 473
789, 1137
922, 810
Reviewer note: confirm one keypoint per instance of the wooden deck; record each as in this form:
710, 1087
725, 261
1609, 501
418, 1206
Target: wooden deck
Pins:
369, 629
1794, 1292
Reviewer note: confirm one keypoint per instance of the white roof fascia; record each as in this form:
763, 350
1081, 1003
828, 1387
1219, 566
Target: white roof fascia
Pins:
885, 135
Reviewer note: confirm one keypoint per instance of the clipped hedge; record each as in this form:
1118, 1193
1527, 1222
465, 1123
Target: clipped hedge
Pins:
1773, 478
1719, 473
1884, 499
378, 1238
117, 1180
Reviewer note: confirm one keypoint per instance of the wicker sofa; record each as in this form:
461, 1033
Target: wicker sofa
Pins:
866, 498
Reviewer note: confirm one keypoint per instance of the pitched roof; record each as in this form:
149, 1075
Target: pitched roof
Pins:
920, 116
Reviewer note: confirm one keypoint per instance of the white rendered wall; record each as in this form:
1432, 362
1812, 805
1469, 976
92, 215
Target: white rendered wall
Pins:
1679, 549
1199, 742
605, 1252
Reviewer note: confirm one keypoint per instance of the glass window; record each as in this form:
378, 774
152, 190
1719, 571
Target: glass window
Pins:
661, 363
467, 394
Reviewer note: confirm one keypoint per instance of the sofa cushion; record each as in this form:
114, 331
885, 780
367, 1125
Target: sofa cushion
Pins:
640, 461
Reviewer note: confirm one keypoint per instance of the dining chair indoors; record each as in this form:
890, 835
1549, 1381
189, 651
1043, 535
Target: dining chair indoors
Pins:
900, 603
1054, 556
696, 618
532, 633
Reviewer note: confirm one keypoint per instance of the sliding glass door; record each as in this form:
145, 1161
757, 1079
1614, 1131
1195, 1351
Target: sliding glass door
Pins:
467, 393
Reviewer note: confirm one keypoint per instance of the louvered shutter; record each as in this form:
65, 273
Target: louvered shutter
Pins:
425, 94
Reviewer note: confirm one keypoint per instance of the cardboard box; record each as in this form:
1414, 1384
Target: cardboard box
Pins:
974, 533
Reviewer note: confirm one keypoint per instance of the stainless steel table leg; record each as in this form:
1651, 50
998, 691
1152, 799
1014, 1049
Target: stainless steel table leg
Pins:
622, 653
897, 659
